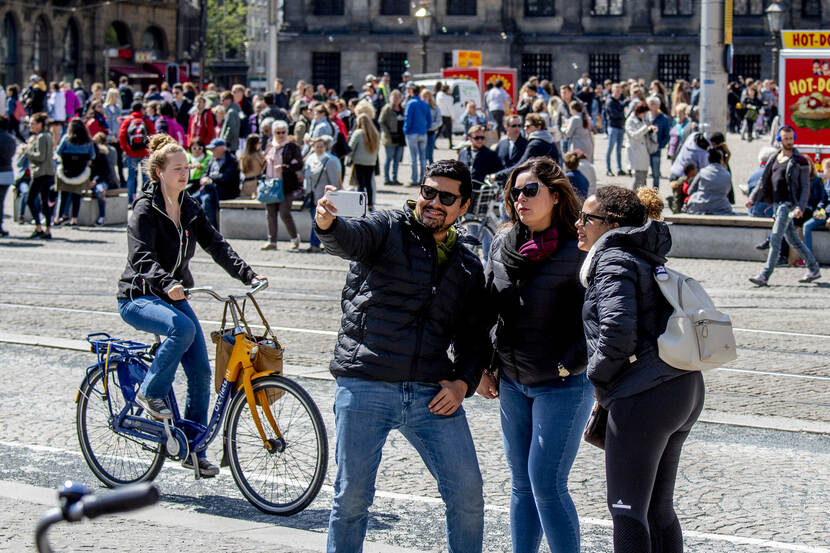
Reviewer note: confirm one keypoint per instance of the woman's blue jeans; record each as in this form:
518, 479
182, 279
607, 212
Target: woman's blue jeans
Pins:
542, 428
809, 227
394, 155
185, 343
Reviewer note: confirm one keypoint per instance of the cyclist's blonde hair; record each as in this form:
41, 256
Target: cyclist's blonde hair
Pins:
161, 146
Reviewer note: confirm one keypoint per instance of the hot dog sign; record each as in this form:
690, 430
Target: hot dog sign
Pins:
804, 86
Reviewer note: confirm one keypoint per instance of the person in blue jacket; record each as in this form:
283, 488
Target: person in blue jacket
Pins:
658, 119
417, 120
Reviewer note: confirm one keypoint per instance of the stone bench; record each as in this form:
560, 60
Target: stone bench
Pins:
116, 201
729, 237
247, 219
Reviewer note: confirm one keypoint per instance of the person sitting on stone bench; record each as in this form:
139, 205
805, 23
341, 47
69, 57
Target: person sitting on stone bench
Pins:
708, 194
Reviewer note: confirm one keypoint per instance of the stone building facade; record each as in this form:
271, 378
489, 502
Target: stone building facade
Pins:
340, 41
94, 39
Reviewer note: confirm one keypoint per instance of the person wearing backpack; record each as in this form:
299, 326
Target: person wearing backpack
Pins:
134, 137
651, 405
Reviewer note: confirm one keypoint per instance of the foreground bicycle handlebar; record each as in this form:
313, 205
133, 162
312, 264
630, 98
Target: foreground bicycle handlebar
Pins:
78, 503
256, 287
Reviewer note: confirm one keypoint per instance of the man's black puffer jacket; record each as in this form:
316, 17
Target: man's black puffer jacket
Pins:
400, 313
541, 315
158, 254
625, 312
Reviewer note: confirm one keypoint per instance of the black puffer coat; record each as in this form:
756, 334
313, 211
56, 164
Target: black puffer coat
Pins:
541, 316
400, 313
625, 312
159, 253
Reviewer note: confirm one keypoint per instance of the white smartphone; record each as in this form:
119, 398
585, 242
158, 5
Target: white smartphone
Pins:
348, 204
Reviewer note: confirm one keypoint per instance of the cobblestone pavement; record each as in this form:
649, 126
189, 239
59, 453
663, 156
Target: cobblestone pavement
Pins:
737, 483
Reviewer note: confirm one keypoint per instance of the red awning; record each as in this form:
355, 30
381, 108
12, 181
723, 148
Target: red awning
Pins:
133, 72
159, 67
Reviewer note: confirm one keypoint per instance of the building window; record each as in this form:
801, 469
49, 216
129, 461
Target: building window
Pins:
325, 69
607, 7
748, 7
537, 65
539, 8
394, 63
811, 8
461, 7
329, 7
672, 67
678, 7
394, 7
604, 66
41, 48
9, 62
746, 66
71, 51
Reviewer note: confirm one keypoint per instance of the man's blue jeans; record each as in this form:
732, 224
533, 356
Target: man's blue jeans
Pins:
615, 140
783, 228
365, 412
418, 156
809, 227
394, 155
655, 168
132, 176
185, 343
542, 429
209, 198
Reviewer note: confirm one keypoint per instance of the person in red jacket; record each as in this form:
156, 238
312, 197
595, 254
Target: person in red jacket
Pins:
202, 123
134, 138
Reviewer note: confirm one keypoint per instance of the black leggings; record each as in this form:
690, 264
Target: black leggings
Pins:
364, 175
642, 451
40, 187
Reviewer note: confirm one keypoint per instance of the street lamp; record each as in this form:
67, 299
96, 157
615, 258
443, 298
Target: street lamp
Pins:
423, 18
775, 20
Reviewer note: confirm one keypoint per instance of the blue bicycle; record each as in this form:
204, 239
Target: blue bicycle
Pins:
274, 437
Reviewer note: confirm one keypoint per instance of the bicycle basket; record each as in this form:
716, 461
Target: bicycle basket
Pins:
269, 356
481, 199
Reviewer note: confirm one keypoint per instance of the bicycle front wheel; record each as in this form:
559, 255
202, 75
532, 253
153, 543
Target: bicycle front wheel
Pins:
115, 459
482, 232
284, 478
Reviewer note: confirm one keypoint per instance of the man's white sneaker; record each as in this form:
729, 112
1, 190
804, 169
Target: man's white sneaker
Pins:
810, 277
758, 281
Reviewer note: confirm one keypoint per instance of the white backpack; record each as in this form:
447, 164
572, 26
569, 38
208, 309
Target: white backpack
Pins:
697, 336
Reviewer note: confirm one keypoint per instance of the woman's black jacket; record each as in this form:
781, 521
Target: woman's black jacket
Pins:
625, 312
401, 313
541, 314
159, 253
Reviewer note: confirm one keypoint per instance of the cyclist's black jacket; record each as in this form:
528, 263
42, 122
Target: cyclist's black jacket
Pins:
158, 254
401, 313
540, 314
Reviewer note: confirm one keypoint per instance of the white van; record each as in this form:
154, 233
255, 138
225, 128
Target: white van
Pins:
462, 90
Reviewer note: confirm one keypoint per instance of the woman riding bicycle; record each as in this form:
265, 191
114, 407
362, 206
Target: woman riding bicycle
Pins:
162, 233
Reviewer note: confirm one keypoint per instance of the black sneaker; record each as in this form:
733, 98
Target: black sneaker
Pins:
763, 245
155, 407
206, 468
36, 234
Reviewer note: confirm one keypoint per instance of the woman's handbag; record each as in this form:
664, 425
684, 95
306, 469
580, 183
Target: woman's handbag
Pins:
270, 191
594, 432
651, 142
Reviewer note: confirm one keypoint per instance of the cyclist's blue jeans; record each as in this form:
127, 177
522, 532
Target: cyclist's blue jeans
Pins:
365, 412
185, 343
132, 175
313, 239
615, 140
542, 429
418, 156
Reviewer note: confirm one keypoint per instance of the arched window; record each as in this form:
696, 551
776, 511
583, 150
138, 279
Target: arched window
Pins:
9, 52
117, 35
153, 41
71, 51
42, 48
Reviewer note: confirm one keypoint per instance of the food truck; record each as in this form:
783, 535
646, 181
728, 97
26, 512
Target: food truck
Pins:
484, 75
804, 90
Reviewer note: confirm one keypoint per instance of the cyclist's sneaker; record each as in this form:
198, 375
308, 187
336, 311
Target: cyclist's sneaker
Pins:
156, 407
206, 468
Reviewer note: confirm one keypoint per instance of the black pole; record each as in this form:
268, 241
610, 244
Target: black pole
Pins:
775, 58
424, 54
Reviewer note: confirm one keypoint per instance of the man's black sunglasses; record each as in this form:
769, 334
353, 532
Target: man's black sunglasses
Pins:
529, 190
585, 217
446, 198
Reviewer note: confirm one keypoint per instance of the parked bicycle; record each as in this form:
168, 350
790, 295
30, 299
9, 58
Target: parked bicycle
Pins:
484, 217
77, 503
274, 438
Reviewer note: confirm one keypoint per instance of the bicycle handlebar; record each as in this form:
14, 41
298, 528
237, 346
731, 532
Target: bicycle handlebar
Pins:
257, 285
118, 501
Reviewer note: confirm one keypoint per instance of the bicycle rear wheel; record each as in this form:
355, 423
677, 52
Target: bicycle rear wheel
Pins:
115, 459
285, 480
481, 231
